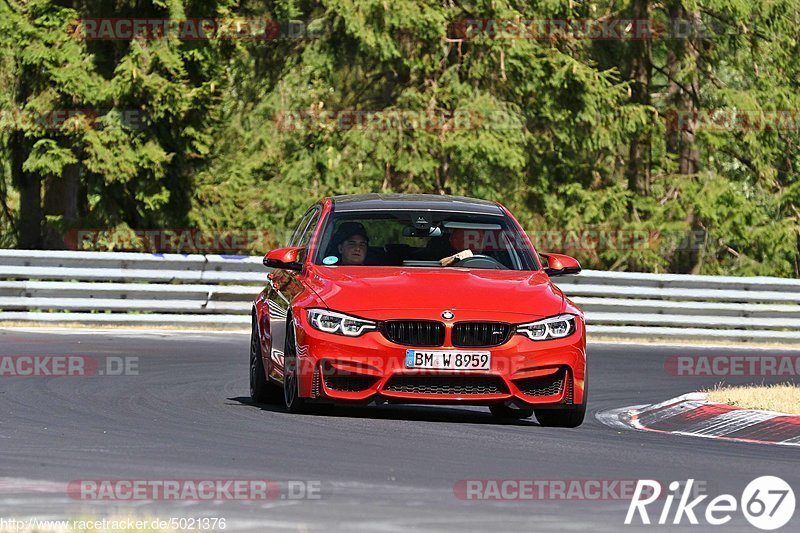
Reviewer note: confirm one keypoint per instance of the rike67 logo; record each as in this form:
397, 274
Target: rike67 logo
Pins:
767, 502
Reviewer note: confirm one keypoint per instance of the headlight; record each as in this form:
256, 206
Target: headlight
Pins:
556, 327
339, 323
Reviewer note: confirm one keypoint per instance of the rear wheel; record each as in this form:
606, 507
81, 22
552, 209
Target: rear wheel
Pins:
291, 381
507, 412
262, 390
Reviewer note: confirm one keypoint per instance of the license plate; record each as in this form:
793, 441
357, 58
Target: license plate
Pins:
448, 360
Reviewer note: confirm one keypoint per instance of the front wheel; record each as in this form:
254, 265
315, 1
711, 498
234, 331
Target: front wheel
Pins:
291, 381
561, 418
565, 418
262, 390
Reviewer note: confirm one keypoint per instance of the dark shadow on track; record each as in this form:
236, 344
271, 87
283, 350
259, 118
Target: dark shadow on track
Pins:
422, 413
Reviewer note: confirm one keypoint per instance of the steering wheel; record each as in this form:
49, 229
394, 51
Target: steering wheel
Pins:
480, 261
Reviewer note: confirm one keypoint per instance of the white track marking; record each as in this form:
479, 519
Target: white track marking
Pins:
727, 423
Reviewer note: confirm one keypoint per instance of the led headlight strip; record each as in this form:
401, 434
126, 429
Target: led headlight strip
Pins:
556, 327
339, 323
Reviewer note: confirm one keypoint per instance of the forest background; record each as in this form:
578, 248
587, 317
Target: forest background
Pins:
658, 136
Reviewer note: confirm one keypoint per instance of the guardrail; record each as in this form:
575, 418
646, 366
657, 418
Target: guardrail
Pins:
215, 290
128, 288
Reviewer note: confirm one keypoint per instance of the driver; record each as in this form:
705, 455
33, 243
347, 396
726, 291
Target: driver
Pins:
353, 243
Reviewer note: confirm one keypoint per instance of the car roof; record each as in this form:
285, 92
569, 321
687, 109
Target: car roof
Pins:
413, 202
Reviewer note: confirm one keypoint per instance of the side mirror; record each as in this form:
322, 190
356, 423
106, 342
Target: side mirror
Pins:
285, 258
560, 264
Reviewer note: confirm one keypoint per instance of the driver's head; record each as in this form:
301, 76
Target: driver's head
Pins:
353, 242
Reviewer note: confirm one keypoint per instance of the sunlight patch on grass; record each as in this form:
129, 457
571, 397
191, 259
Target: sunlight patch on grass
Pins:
782, 398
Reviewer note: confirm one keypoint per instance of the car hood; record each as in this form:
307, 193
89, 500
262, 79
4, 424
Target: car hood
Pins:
367, 290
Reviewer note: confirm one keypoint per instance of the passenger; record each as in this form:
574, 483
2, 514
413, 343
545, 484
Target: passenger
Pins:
352, 242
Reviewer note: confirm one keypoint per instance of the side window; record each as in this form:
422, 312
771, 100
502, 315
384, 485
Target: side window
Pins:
301, 226
305, 237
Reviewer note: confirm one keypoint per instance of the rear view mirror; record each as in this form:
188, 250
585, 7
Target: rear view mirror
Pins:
412, 231
285, 258
560, 264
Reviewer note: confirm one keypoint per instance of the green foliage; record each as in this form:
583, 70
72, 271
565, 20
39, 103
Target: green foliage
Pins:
228, 134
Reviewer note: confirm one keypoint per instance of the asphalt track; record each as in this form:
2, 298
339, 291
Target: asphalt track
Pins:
186, 415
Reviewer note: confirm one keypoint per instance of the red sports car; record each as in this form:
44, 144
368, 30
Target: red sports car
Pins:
418, 299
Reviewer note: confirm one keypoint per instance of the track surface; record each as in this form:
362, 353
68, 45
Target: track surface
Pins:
186, 415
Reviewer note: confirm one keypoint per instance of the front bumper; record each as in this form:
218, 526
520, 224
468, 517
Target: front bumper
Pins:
372, 368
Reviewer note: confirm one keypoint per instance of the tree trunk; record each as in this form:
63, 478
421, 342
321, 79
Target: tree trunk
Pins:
638, 170
61, 199
30, 195
683, 94
684, 90
29, 185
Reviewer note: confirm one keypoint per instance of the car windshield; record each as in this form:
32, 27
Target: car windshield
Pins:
424, 239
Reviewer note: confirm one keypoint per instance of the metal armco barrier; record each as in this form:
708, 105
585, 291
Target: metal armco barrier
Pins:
214, 290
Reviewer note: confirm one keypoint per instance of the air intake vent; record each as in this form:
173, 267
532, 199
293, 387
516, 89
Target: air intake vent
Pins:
447, 385
349, 383
542, 386
476, 334
414, 332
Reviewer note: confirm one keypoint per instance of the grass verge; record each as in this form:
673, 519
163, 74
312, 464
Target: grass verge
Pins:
782, 398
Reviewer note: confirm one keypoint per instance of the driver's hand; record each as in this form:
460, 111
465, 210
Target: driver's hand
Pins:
457, 257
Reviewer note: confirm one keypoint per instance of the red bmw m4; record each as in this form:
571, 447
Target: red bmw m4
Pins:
418, 299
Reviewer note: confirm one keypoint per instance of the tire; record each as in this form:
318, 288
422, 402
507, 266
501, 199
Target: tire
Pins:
565, 418
561, 418
291, 382
262, 390
504, 412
